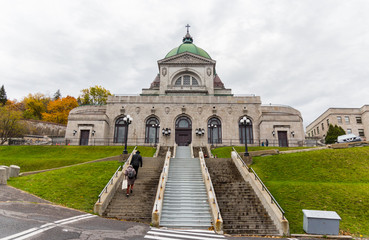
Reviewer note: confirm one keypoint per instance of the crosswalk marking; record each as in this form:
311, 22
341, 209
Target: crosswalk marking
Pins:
170, 234
34, 231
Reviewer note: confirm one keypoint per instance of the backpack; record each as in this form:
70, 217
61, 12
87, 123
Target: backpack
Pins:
131, 174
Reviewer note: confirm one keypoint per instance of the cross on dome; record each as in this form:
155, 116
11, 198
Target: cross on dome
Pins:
187, 26
188, 38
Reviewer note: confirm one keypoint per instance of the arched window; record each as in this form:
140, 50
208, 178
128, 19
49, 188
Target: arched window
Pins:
214, 131
183, 122
186, 80
178, 82
152, 130
249, 135
120, 131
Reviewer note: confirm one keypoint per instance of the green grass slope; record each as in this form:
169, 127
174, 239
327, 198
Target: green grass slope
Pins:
32, 158
332, 180
225, 152
76, 187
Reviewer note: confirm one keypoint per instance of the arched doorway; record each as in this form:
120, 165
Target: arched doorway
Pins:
120, 131
214, 131
183, 131
152, 130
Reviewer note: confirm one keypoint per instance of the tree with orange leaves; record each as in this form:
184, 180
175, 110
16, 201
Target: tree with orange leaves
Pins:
58, 110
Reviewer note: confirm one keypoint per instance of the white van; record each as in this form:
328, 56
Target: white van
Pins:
348, 138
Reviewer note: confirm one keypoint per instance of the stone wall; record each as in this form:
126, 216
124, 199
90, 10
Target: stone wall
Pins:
34, 127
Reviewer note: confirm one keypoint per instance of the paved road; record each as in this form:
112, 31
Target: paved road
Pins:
24, 216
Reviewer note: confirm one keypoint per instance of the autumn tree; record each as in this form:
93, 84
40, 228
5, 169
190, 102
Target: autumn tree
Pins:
15, 105
9, 124
35, 105
96, 95
3, 98
58, 110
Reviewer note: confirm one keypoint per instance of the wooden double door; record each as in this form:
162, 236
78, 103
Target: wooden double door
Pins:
183, 131
85, 135
282, 139
183, 137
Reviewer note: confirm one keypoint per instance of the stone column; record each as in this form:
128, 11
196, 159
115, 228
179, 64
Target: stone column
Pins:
14, 170
7, 171
3, 176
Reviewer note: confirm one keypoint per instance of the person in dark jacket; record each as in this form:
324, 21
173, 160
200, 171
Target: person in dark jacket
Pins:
136, 161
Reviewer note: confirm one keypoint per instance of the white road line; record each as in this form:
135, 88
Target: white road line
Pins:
19, 234
79, 219
33, 231
67, 219
160, 238
189, 232
178, 235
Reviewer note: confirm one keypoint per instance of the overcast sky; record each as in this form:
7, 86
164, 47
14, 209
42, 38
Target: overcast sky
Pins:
308, 54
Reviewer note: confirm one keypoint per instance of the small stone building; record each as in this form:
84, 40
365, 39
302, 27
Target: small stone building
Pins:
188, 98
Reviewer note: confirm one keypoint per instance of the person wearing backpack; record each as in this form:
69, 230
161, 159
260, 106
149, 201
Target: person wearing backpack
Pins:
130, 174
136, 161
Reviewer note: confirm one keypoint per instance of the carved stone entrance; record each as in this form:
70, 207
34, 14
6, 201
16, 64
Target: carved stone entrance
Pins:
183, 131
85, 135
282, 139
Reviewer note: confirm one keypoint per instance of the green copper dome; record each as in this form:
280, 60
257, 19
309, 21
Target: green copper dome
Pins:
188, 46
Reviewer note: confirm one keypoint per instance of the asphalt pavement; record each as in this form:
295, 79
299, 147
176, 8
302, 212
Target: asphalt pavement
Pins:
25, 216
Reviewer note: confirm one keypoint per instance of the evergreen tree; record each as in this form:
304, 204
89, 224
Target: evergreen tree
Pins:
3, 98
333, 133
57, 95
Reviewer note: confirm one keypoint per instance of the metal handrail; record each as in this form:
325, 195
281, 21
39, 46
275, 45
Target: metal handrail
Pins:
212, 188
126, 162
250, 169
162, 180
111, 181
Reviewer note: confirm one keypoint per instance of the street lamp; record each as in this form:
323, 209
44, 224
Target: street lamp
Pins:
166, 131
200, 131
126, 120
244, 122
212, 126
156, 126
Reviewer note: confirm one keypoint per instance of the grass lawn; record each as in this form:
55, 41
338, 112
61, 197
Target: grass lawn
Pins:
76, 187
32, 158
225, 152
332, 180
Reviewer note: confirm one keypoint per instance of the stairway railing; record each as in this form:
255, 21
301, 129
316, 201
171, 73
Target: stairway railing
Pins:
158, 204
250, 169
110, 188
111, 182
217, 218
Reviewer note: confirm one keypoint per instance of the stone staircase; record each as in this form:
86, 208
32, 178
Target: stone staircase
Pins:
185, 199
138, 207
241, 210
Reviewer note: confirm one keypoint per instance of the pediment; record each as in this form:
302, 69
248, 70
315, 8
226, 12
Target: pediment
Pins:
186, 58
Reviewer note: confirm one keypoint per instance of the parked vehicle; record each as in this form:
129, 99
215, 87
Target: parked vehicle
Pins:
348, 138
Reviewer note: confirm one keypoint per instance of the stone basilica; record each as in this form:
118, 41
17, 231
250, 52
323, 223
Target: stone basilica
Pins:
186, 103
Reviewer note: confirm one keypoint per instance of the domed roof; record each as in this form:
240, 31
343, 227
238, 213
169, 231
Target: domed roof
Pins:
188, 46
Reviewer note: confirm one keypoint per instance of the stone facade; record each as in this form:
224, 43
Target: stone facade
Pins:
352, 120
187, 95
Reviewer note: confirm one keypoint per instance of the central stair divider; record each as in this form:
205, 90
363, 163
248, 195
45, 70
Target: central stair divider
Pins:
184, 201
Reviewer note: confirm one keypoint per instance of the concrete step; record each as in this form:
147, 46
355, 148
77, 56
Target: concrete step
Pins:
141, 201
241, 210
